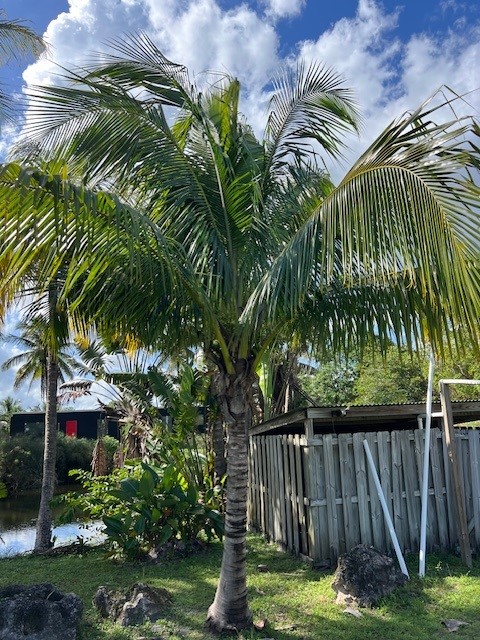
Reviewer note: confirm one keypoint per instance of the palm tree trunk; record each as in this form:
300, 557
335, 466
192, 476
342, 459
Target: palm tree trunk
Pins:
229, 610
44, 520
218, 440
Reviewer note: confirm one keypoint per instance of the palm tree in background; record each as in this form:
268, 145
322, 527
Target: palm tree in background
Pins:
212, 237
31, 362
8, 406
17, 42
44, 335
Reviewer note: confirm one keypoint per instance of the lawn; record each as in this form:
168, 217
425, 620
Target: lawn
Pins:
296, 600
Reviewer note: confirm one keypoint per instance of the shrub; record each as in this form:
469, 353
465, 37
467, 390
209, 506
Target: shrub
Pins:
143, 507
21, 460
72, 453
22, 464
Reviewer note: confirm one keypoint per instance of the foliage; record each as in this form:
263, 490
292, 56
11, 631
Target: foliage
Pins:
17, 41
21, 460
34, 338
332, 385
210, 235
22, 463
390, 378
143, 507
72, 453
395, 378
8, 406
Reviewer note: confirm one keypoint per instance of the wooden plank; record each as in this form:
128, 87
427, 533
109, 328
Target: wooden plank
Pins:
274, 492
257, 487
251, 486
330, 495
461, 438
258, 480
473, 439
300, 459
384, 473
410, 476
308, 424
362, 489
317, 520
439, 491
323, 551
312, 512
456, 475
269, 491
452, 523
376, 514
263, 460
281, 493
293, 481
288, 493
268, 502
347, 470
399, 511
431, 531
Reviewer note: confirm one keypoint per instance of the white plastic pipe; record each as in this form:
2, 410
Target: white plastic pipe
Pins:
426, 462
386, 513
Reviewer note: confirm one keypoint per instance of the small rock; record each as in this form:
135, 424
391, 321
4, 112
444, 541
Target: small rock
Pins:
262, 568
260, 624
364, 575
38, 612
139, 604
453, 625
353, 612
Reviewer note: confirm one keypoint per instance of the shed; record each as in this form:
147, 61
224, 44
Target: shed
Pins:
312, 493
79, 424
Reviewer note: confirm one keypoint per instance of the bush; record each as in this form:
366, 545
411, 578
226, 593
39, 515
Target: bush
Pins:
22, 464
143, 507
21, 460
72, 453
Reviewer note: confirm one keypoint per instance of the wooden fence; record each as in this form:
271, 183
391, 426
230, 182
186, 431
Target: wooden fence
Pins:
317, 497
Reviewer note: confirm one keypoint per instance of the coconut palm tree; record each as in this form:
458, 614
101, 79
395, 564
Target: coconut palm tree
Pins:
45, 336
220, 239
31, 362
8, 406
17, 41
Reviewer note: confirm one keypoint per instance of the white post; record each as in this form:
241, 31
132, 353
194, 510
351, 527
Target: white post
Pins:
426, 461
386, 513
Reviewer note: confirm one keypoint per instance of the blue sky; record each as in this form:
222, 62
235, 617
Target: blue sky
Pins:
393, 54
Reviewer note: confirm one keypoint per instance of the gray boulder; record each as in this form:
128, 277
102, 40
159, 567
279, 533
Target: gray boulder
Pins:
38, 612
364, 575
139, 604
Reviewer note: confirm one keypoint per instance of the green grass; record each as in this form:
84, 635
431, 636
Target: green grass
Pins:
296, 600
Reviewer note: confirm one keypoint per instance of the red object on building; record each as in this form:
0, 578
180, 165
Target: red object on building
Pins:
71, 428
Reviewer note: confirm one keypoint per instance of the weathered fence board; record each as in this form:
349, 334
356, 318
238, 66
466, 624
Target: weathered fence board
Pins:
316, 496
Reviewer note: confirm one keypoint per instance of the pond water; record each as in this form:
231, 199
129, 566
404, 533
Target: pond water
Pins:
17, 526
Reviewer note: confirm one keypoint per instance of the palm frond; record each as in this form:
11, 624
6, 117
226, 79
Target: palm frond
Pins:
18, 41
405, 217
309, 105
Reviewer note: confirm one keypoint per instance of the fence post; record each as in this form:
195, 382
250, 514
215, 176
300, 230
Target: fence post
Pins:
456, 475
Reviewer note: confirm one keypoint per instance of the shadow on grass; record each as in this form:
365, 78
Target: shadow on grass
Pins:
297, 601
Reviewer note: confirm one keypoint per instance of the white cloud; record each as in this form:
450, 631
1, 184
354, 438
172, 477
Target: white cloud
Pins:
284, 8
390, 74
196, 33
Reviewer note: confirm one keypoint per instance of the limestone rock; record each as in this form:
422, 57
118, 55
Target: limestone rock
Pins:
364, 575
38, 612
139, 604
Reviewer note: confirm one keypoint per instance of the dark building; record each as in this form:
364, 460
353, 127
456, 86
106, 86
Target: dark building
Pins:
77, 424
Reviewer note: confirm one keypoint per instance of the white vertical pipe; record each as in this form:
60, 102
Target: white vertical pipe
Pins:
386, 512
426, 461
